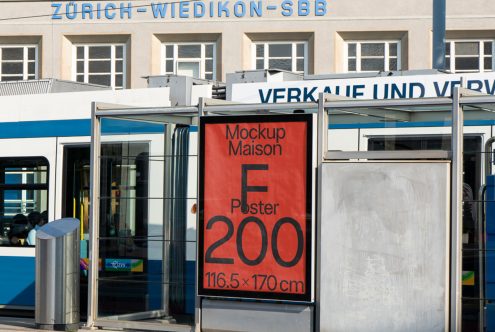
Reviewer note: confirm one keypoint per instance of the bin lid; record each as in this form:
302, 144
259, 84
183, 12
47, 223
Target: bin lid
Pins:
57, 228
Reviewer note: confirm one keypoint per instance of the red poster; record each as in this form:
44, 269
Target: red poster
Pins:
255, 207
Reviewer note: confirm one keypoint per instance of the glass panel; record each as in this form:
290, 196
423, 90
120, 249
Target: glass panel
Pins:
351, 65
208, 65
351, 49
392, 64
488, 48
119, 66
300, 65
80, 66
31, 68
467, 64
260, 64
12, 78
392, 49
260, 50
372, 64
447, 48
80, 78
80, 52
488, 63
189, 51
284, 64
119, 81
100, 66
100, 79
169, 51
12, 53
447, 63
209, 76
31, 53
279, 50
188, 69
467, 48
372, 49
169, 66
300, 50
209, 50
119, 52
99, 52
12, 68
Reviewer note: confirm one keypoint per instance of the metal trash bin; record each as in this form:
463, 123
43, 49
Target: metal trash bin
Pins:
57, 275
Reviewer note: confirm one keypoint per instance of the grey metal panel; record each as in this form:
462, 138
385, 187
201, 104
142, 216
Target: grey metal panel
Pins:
222, 316
42, 86
390, 155
384, 248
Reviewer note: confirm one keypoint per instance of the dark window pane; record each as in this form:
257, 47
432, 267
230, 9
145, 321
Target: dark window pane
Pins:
260, 64
372, 49
99, 79
467, 48
300, 50
80, 78
351, 65
447, 48
392, 49
31, 77
99, 66
119, 66
99, 52
209, 76
372, 65
80, 66
12, 68
80, 52
392, 64
351, 50
9, 53
31, 68
119, 52
209, 51
119, 80
209, 65
300, 65
284, 64
169, 51
447, 63
31, 53
189, 51
260, 51
169, 66
12, 78
279, 50
488, 48
488, 64
467, 64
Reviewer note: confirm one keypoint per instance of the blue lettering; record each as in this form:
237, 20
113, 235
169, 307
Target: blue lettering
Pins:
264, 99
287, 8
108, 7
98, 10
327, 90
375, 91
444, 89
421, 89
197, 7
87, 8
127, 10
239, 9
308, 95
184, 9
212, 8
320, 7
490, 89
294, 94
56, 12
172, 9
475, 85
278, 94
255, 8
303, 7
355, 91
398, 92
70, 15
222, 8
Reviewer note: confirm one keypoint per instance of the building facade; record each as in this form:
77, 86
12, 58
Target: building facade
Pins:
117, 43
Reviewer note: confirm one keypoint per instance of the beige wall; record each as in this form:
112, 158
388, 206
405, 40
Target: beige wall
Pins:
409, 21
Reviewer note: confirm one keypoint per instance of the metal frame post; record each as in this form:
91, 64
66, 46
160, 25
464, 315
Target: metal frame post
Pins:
439, 18
94, 229
456, 218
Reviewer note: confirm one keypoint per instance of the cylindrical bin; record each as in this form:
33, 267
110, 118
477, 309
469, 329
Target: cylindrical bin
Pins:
57, 275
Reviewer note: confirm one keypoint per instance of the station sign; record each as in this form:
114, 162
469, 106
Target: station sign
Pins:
255, 207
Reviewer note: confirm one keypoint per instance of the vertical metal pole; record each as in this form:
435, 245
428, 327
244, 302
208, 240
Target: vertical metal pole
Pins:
94, 217
322, 149
197, 311
439, 18
456, 219
167, 216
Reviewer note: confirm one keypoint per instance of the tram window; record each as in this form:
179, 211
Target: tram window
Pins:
23, 198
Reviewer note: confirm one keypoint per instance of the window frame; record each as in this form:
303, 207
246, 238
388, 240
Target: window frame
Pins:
176, 60
266, 57
481, 55
386, 56
25, 61
112, 59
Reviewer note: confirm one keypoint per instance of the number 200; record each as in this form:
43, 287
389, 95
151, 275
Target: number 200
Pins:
264, 241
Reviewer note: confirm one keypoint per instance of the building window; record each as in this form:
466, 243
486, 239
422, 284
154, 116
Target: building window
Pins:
289, 56
101, 64
372, 56
465, 56
190, 59
18, 62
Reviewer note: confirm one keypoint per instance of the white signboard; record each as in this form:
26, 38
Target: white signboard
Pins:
394, 87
